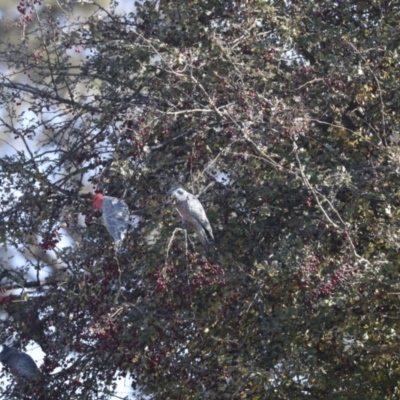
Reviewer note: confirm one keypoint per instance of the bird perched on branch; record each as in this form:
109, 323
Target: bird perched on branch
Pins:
192, 213
115, 213
20, 364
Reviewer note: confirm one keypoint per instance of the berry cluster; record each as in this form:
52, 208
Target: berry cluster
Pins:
338, 278
320, 286
161, 282
50, 241
23, 8
208, 275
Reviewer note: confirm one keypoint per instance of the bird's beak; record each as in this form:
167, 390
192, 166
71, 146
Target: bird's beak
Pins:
172, 199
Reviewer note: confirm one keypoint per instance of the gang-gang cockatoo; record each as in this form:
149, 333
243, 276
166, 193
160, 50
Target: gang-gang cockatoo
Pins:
115, 214
21, 364
192, 213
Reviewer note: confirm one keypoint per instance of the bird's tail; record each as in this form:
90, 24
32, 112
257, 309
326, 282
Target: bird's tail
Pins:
206, 242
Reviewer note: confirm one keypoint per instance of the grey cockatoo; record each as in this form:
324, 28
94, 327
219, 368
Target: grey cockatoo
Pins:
20, 364
192, 212
115, 214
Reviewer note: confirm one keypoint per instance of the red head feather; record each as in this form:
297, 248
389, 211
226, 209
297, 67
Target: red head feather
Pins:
98, 201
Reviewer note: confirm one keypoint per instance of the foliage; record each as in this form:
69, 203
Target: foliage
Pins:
296, 105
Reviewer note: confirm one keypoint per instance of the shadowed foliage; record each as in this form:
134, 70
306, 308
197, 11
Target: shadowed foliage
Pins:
283, 117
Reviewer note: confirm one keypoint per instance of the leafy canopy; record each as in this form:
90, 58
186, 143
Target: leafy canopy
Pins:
284, 118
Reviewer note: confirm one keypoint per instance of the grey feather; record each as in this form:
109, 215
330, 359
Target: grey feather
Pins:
20, 364
192, 213
115, 217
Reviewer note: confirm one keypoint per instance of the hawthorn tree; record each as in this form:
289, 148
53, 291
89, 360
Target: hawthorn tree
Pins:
284, 118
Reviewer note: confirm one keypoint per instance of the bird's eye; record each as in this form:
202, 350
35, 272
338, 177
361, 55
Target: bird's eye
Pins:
180, 192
